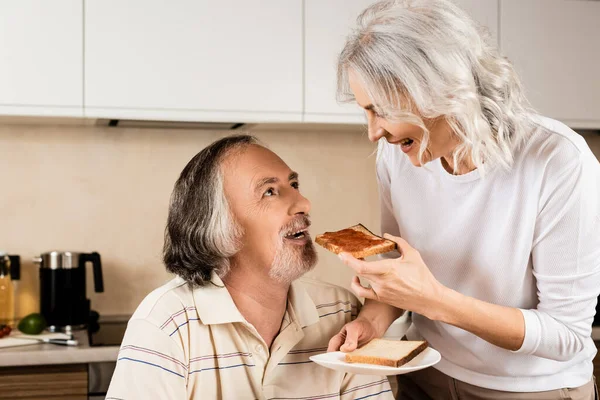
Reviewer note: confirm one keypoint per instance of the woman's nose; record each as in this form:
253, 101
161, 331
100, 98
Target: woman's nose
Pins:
376, 132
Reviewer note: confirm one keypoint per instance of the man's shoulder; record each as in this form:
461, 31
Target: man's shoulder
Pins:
163, 303
326, 293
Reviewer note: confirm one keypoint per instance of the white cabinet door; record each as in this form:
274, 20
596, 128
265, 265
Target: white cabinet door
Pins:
41, 57
555, 47
194, 60
327, 24
484, 12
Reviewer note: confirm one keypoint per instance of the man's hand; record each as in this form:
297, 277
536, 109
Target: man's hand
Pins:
352, 335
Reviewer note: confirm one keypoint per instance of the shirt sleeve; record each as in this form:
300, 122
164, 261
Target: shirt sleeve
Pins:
388, 220
566, 259
150, 365
365, 386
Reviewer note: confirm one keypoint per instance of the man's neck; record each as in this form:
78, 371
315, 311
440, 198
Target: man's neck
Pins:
261, 300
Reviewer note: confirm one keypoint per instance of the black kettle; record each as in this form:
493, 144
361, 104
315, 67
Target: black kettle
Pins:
63, 300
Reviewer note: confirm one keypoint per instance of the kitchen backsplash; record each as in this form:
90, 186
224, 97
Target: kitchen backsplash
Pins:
89, 188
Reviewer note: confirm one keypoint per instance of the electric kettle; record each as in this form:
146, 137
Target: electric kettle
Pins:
63, 300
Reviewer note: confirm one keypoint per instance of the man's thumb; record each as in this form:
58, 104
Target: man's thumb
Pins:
352, 334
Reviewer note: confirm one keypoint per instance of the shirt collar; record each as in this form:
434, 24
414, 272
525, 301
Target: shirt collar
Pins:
214, 304
302, 305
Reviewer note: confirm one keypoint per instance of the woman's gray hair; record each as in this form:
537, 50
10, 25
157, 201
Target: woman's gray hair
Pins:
201, 234
425, 59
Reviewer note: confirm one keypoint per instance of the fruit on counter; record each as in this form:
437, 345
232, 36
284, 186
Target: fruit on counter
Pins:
4, 330
33, 324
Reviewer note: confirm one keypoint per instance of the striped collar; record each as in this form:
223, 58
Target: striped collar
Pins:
214, 304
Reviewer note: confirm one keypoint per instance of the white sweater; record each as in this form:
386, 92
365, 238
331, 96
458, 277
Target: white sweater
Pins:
528, 238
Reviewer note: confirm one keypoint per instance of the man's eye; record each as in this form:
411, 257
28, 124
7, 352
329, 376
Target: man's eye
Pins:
296, 185
270, 192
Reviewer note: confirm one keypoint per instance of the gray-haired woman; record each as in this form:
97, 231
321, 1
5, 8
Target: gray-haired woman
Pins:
504, 212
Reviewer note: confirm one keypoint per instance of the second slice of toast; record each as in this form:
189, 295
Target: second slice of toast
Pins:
389, 353
356, 240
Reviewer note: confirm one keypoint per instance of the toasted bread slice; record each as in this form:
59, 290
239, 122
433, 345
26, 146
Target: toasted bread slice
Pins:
356, 240
390, 353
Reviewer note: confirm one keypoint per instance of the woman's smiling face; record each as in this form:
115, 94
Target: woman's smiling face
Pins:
408, 136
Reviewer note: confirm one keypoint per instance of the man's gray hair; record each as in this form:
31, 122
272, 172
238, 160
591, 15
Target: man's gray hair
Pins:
428, 59
201, 234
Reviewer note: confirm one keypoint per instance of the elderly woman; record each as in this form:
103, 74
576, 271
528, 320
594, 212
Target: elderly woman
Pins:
495, 211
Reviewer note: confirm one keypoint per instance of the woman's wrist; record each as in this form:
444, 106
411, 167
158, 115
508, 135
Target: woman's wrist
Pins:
442, 305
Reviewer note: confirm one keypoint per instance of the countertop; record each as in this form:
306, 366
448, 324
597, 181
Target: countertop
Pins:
45, 354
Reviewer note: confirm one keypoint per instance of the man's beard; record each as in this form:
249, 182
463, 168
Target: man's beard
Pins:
291, 261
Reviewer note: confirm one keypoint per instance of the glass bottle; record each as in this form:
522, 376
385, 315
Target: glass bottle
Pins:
7, 296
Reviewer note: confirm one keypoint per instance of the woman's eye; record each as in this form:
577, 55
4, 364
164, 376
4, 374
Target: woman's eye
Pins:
270, 192
375, 113
296, 185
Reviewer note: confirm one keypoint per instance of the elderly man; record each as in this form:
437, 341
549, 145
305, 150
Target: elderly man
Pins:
236, 323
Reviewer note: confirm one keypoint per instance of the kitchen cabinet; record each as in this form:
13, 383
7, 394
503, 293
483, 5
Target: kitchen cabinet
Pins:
188, 60
555, 47
327, 24
41, 48
44, 382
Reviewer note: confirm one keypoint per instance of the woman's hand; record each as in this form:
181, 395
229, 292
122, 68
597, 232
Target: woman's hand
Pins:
353, 335
405, 282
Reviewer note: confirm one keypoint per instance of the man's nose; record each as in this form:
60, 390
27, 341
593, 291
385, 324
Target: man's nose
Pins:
301, 205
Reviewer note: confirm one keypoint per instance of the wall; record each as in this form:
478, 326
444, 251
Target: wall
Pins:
88, 188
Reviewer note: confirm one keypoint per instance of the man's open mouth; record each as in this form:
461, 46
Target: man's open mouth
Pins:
297, 235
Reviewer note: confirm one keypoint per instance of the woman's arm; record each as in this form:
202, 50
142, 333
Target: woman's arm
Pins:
499, 325
406, 282
566, 264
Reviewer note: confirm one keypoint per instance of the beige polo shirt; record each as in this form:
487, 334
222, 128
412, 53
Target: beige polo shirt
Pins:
195, 344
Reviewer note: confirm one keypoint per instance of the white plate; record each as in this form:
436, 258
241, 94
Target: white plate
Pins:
335, 360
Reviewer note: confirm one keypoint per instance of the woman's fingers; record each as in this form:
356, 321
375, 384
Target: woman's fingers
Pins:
363, 267
361, 291
404, 248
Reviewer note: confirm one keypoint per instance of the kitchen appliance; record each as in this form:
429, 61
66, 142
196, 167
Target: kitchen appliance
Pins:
107, 333
10, 273
63, 301
103, 332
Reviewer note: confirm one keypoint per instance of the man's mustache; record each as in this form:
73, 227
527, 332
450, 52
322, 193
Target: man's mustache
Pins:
297, 224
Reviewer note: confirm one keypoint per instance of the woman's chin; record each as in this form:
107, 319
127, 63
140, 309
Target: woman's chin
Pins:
415, 161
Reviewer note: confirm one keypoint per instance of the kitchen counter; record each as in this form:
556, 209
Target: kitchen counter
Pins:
46, 354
